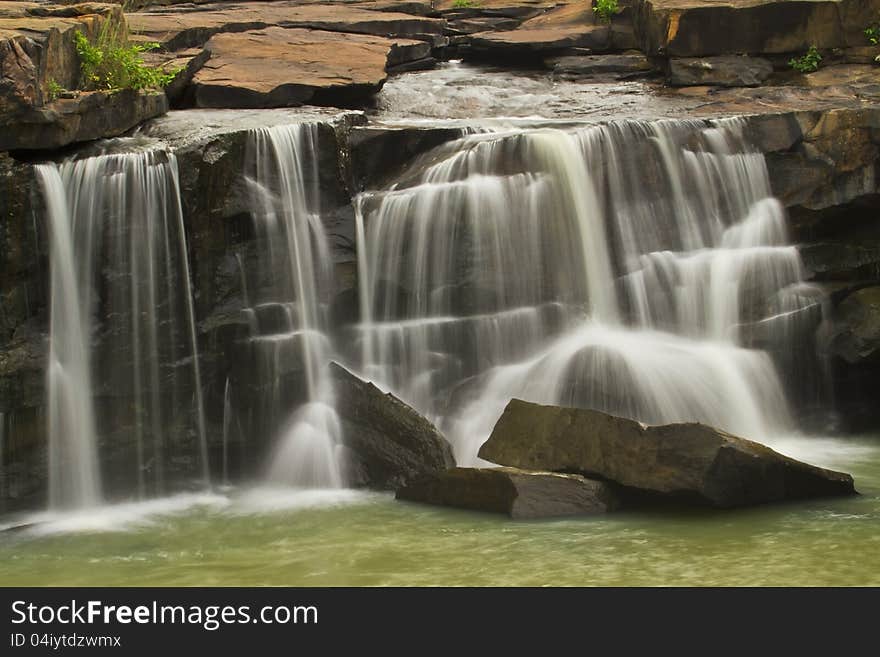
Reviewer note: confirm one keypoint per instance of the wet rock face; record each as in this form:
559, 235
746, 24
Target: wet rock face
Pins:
387, 443
23, 276
518, 494
857, 334
854, 349
378, 152
691, 461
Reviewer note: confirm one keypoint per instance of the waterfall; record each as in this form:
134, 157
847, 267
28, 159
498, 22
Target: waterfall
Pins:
74, 477
118, 253
294, 269
625, 267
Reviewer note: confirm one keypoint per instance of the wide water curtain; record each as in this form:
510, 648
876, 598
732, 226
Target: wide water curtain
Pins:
288, 306
130, 379
627, 267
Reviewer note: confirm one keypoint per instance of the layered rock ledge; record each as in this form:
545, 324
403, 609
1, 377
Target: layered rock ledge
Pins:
37, 55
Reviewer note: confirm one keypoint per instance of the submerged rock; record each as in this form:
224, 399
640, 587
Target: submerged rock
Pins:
686, 460
387, 443
520, 494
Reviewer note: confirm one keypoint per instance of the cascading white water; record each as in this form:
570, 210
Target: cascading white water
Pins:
116, 225
294, 266
74, 476
612, 267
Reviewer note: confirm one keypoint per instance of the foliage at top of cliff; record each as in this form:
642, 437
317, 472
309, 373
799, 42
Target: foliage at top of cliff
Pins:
112, 63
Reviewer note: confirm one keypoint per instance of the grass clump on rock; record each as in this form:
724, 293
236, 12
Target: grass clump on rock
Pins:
112, 63
872, 33
605, 9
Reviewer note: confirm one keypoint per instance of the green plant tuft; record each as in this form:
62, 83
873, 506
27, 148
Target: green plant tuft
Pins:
605, 9
464, 4
873, 34
112, 63
807, 63
53, 90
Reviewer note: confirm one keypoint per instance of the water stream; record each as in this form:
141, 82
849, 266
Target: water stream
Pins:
122, 327
620, 267
295, 266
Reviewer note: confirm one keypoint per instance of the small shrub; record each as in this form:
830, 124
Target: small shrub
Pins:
872, 34
464, 4
605, 9
807, 63
53, 90
112, 63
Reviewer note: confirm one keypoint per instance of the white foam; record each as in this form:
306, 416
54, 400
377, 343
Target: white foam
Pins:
114, 517
265, 499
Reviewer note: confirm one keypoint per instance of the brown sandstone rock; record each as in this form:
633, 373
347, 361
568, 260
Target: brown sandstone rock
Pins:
37, 46
278, 67
697, 28
176, 29
36, 51
569, 26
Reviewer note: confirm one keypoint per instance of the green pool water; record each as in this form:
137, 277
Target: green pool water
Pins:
261, 537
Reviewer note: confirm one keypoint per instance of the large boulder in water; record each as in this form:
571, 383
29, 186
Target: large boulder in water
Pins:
520, 494
387, 442
685, 460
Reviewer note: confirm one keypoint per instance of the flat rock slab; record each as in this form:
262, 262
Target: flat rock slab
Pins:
519, 494
570, 26
176, 29
720, 71
690, 461
625, 65
519, 9
278, 67
697, 28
